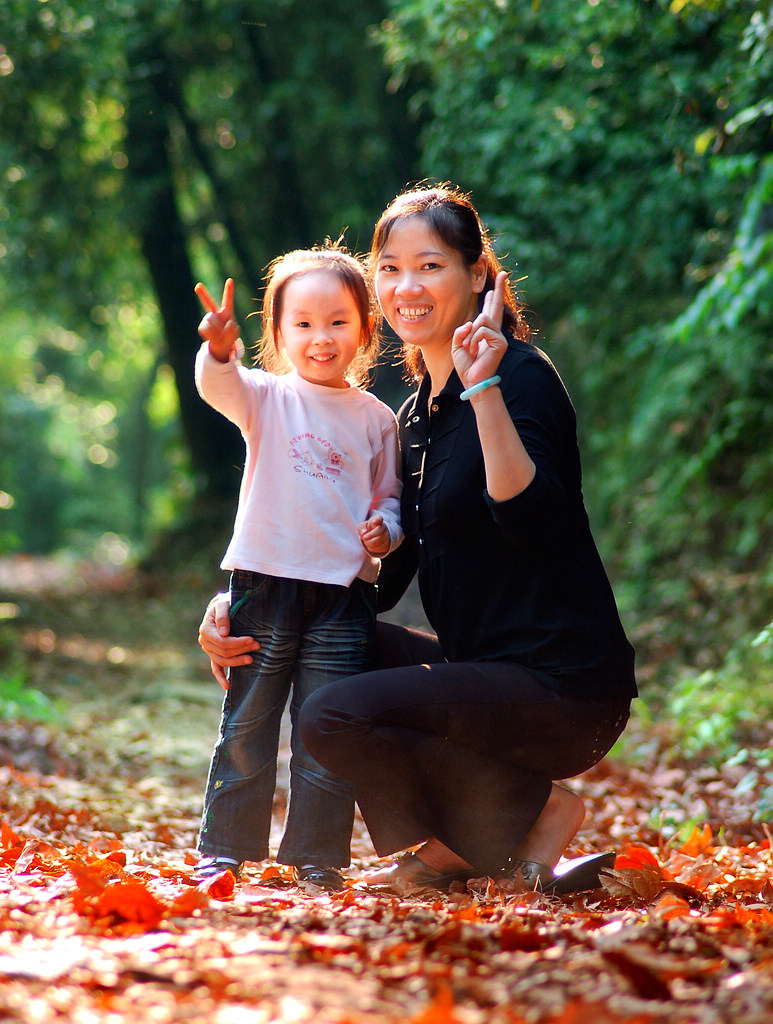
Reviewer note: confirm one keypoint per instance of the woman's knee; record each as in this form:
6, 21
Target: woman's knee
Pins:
318, 725
329, 729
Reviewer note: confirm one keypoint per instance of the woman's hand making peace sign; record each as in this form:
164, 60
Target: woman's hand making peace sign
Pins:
477, 347
218, 326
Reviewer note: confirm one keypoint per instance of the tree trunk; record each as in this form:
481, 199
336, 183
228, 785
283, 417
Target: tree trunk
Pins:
216, 449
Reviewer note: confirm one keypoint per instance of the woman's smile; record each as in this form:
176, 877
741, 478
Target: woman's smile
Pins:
413, 312
425, 288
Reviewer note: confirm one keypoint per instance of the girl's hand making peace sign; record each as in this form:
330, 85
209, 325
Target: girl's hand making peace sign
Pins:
218, 326
478, 346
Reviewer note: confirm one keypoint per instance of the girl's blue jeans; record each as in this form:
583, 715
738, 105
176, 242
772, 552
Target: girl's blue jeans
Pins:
310, 634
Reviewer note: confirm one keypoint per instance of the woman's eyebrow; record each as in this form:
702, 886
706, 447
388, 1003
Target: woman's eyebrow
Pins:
425, 253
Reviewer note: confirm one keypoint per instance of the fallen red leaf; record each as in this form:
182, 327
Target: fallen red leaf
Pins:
91, 880
8, 837
188, 902
699, 842
668, 905
219, 886
439, 1011
130, 901
635, 856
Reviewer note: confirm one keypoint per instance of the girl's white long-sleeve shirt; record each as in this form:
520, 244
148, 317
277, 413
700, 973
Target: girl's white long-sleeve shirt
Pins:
319, 461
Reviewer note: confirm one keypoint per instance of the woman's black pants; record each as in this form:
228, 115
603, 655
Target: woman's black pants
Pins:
462, 751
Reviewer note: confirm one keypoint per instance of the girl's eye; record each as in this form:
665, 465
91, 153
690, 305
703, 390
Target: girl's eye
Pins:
339, 323
303, 323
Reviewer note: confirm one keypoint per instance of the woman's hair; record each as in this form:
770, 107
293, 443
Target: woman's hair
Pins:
333, 258
450, 213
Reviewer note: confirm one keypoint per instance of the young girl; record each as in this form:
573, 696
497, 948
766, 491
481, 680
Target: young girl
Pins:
319, 506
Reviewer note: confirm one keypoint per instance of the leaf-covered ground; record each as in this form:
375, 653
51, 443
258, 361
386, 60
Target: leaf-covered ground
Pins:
100, 919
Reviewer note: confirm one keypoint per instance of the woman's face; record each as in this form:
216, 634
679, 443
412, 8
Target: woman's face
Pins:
424, 287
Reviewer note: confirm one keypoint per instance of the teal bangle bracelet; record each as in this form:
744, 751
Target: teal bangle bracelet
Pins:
489, 383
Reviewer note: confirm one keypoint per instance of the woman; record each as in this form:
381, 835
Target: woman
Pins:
455, 743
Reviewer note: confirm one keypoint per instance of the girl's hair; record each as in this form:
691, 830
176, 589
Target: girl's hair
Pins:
333, 258
450, 213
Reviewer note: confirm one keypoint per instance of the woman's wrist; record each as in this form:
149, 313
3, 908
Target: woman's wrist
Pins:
480, 387
488, 396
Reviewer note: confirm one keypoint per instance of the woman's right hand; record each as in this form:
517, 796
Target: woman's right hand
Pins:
478, 346
223, 650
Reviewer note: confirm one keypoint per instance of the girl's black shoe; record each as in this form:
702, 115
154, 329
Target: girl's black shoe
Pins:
208, 867
326, 878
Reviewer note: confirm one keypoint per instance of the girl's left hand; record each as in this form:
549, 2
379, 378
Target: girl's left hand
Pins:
375, 536
477, 347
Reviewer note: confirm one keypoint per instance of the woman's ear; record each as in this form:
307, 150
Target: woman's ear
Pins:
479, 271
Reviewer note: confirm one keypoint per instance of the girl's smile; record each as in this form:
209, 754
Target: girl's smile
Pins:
320, 327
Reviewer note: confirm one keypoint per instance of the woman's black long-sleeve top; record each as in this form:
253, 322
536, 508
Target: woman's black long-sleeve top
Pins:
519, 580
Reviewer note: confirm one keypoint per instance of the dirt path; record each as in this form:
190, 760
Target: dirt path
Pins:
100, 920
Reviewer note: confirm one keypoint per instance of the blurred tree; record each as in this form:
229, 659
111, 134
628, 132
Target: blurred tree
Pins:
621, 152
144, 145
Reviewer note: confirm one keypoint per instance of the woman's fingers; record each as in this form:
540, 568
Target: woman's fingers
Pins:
497, 297
221, 613
478, 347
220, 675
488, 324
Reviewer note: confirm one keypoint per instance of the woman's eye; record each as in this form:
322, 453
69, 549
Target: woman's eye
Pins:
387, 268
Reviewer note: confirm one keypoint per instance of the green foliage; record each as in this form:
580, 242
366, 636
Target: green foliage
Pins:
574, 125
20, 702
720, 713
72, 457
621, 152
278, 130
696, 453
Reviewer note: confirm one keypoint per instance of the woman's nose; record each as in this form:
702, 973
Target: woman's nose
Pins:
408, 284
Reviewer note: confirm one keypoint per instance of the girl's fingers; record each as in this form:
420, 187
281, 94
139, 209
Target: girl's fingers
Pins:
228, 298
205, 298
227, 306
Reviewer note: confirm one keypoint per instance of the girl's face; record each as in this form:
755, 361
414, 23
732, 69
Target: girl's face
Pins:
320, 327
424, 287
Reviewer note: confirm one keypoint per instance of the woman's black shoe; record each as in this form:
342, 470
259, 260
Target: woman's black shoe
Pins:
409, 873
576, 875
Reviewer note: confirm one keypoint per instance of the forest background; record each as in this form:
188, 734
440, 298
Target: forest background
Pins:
622, 153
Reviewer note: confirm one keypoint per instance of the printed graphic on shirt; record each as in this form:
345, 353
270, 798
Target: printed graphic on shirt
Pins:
317, 457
